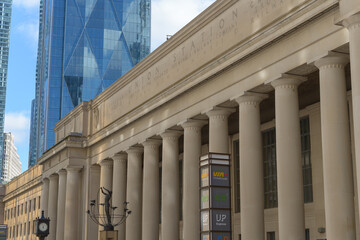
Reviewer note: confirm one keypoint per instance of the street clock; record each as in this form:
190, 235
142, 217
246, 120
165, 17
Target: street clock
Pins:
41, 226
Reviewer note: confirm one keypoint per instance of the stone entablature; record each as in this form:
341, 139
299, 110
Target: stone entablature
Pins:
238, 65
240, 29
23, 182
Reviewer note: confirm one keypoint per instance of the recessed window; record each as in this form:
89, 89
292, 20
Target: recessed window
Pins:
270, 236
306, 159
270, 178
236, 165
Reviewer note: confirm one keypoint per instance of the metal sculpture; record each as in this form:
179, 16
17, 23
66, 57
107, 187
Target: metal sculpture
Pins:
104, 213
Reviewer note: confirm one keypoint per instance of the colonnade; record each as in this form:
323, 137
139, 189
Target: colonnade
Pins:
136, 170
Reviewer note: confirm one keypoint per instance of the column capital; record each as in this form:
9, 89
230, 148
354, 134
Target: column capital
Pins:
61, 172
44, 179
286, 81
250, 98
120, 157
53, 176
193, 123
106, 163
219, 111
332, 60
171, 134
73, 168
352, 22
151, 142
136, 150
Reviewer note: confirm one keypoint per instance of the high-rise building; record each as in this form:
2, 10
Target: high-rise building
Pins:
11, 161
33, 127
5, 20
85, 47
34, 136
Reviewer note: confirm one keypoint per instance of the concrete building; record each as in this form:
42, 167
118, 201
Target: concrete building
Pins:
11, 164
275, 84
22, 204
5, 22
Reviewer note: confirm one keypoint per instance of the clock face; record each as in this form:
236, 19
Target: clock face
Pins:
43, 227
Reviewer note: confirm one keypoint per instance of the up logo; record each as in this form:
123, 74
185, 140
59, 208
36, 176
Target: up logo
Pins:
219, 174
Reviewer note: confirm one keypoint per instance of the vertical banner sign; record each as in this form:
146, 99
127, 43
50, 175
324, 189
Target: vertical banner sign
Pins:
215, 197
3, 231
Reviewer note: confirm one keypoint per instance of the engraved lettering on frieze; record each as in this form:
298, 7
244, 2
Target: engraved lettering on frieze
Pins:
262, 8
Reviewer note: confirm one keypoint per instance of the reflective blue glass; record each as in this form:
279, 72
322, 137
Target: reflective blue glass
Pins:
86, 45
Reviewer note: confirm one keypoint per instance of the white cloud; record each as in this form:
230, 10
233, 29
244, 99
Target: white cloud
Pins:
169, 16
18, 123
27, 3
30, 30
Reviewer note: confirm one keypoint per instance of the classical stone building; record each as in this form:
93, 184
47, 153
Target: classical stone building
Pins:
276, 84
22, 203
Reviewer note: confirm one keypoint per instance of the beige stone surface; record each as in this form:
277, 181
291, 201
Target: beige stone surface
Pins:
231, 48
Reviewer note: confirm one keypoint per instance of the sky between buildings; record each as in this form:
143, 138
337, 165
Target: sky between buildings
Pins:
168, 16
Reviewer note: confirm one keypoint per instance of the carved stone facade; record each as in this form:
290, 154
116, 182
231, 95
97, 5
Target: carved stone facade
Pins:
248, 78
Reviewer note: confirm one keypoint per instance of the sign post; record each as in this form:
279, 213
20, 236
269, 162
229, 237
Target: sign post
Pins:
215, 205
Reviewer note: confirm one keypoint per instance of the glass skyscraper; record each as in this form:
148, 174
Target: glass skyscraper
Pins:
86, 46
5, 20
34, 136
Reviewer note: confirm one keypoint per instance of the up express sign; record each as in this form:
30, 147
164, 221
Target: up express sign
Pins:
215, 175
215, 197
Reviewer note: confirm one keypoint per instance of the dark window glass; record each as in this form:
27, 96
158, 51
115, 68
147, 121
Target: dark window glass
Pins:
237, 175
307, 234
181, 188
270, 179
34, 204
270, 236
306, 159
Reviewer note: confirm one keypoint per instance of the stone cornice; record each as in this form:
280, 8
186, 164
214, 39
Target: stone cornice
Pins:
23, 188
273, 31
68, 142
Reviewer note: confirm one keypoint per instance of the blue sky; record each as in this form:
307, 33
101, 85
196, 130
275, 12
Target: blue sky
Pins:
23, 50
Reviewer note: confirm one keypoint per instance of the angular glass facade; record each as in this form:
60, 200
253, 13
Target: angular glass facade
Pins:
5, 20
86, 46
32, 147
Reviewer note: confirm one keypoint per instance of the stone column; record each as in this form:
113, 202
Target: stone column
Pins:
170, 204
251, 167
106, 173
353, 24
53, 197
72, 203
61, 205
338, 177
151, 190
119, 189
134, 193
288, 156
218, 129
45, 196
191, 194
